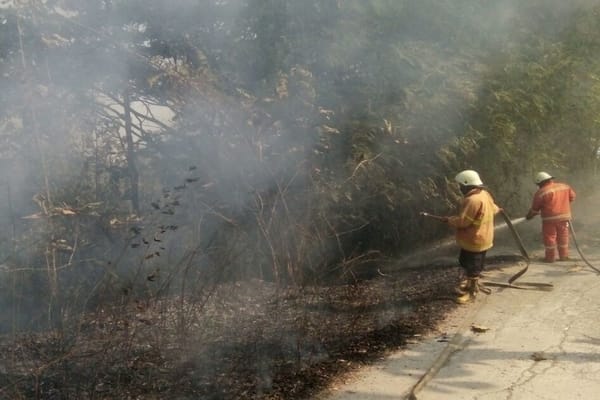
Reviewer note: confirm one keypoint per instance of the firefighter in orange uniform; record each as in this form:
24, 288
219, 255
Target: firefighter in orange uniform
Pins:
474, 226
553, 202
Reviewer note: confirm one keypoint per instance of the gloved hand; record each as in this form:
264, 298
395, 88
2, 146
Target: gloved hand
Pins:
530, 215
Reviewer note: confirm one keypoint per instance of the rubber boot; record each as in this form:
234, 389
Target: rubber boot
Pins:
474, 286
549, 255
563, 253
462, 287
471, 291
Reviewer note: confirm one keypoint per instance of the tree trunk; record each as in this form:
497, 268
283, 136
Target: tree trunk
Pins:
131, 165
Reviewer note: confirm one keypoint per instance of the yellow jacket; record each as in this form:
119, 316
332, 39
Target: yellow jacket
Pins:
475, 222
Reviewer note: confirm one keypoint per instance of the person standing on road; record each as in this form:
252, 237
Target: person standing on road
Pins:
553, 201
474, 225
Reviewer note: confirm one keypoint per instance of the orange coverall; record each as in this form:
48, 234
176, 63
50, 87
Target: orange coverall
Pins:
553, 201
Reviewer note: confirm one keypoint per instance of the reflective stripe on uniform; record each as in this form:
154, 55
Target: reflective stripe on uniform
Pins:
557, 217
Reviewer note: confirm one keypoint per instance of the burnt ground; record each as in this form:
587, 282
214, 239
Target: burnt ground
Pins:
246, 340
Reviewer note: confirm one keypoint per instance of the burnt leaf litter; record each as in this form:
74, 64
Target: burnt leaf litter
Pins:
247, 340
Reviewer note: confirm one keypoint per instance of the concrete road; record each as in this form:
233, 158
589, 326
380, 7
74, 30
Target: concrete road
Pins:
535, 345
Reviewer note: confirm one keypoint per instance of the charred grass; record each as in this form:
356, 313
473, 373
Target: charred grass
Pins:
247, 340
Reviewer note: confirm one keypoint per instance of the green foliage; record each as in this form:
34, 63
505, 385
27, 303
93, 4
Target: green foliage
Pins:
305, 135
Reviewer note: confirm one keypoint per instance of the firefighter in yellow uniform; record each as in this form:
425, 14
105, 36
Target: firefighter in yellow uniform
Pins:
474, 225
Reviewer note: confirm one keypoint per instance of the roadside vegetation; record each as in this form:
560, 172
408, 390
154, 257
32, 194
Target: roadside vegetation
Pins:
167, 166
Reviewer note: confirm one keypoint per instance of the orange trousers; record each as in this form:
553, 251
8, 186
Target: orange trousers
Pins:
556, 233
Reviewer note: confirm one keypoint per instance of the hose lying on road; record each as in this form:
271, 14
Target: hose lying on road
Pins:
512, 279
519, 244
579, 250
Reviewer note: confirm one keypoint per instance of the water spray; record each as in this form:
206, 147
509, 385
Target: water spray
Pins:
512, 222
507, 223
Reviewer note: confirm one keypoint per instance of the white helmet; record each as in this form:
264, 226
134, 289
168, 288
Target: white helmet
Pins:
468, 178
541, 177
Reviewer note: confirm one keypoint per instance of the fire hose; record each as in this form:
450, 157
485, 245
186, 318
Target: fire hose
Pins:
458, 342
524, 254
579, 249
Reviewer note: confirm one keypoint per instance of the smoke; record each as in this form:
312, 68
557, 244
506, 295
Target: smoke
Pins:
268, 137
245, 100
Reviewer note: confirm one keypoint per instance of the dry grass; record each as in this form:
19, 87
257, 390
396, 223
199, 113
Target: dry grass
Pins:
248, 341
